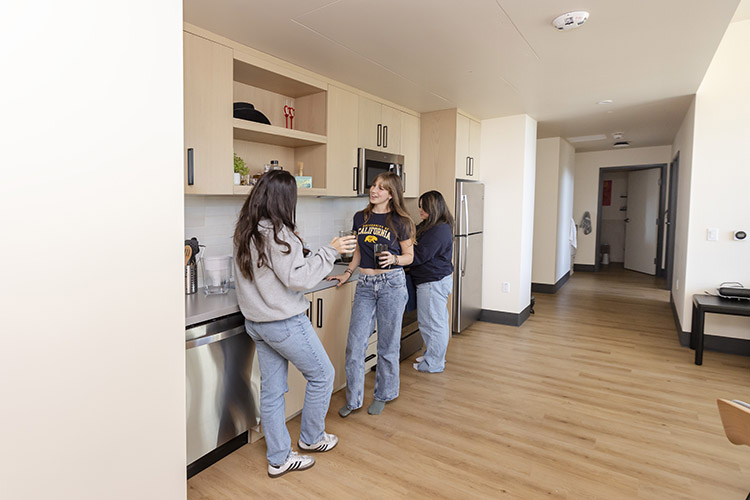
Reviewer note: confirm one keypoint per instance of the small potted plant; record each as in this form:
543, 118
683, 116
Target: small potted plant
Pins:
241, 172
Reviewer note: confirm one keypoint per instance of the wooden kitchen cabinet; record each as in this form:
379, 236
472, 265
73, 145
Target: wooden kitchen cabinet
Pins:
343, 118
329, 312
468, 132
208, 116
410, 150
379, 126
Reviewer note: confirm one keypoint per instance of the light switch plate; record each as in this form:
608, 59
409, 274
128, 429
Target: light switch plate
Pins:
712, 234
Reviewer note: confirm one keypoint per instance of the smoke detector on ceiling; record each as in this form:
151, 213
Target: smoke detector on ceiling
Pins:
570, 20
621, 144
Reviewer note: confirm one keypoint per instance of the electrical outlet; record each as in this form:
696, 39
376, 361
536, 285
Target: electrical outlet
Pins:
712, 234
506, 287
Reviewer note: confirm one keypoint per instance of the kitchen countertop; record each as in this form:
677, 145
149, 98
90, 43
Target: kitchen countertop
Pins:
200, 307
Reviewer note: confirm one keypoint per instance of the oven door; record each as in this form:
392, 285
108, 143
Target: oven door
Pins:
371, 163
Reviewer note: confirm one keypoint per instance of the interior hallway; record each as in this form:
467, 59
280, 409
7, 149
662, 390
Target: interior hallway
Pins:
591, 398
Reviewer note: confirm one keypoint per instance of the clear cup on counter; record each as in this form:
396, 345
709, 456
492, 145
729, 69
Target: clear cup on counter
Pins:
347, 257
380, 248
216, 274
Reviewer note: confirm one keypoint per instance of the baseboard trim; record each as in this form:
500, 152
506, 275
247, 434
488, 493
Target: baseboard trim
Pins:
586, 268
727, 345
505, 318
545, 288
214, 456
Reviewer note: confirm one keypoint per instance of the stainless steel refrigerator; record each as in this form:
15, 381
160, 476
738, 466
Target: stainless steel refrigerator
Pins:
468, 241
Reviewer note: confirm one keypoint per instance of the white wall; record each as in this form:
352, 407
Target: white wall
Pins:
92, 363
566, 185
508, 153
544, 262
553, 209
587, 167
719, 179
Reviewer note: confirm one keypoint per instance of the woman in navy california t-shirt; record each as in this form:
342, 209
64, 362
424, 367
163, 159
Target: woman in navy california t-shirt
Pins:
381, 292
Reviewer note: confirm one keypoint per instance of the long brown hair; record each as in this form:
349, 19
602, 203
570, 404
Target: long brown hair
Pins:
392, 183
433, 203
274, 198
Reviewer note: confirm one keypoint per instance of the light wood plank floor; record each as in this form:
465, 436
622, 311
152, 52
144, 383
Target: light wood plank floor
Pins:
591, 398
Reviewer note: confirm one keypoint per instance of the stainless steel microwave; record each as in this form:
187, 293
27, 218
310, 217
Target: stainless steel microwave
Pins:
370, 163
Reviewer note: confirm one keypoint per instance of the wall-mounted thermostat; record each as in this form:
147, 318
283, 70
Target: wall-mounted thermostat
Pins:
740, 235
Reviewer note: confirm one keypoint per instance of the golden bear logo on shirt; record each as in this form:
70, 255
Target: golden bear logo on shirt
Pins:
371, 239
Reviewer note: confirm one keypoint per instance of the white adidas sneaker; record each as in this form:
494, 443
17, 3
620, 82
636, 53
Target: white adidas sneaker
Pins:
293, 463
328, 443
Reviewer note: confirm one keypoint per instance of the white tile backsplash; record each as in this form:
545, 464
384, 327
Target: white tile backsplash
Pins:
212, 219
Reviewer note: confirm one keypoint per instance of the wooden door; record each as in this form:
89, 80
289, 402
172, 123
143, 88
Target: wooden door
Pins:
410, 150
343, 116
208, 116
463, 129
370, 124
332, 309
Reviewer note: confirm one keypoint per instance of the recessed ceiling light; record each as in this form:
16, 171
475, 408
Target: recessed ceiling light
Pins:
570, 20
587, 138
621, 144
605, 101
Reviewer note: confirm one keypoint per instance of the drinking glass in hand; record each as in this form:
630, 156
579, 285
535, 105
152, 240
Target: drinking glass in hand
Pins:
347, 257
380, 248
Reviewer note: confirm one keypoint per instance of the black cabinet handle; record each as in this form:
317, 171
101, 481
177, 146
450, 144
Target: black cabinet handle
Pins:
309, 311
471, 166
467, 166
191, 173
319, 318
380, 131
385, 136
355, 174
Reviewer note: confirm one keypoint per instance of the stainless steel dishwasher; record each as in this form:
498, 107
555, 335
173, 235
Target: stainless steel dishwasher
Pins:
222, 398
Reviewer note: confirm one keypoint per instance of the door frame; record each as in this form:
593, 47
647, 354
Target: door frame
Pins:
662, 196
671, 219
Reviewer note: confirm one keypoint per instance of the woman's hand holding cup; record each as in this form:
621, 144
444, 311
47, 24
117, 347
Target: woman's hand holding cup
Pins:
344, 244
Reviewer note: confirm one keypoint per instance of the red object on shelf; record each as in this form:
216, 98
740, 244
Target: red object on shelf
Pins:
289, 115
607, 194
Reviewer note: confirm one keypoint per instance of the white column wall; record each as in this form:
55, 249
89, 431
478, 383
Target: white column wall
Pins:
508, 153
720, 178
546, 221
92, 363
566, 183
586, 189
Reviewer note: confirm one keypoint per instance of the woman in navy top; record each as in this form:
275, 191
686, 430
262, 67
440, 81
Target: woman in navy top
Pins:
432, 274
381, 292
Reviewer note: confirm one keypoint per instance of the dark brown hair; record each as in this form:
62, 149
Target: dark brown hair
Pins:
433, 203
274, 198
404, 225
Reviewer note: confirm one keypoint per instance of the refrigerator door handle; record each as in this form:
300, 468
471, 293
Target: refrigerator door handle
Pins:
465, 203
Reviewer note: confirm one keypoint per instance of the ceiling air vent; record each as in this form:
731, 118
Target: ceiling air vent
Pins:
621, 144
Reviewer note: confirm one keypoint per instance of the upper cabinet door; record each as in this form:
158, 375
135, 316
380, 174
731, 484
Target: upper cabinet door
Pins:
391, 121
463, 163
208, 116
475, 132
370, 124
410, 150
343, 139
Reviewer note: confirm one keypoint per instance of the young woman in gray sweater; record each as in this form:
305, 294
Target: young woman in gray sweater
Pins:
272, 272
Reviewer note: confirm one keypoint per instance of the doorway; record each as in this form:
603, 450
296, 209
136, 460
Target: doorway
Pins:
630, 225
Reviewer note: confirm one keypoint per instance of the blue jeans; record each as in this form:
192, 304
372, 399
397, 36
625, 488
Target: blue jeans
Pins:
292, 340
382, 296
432, 314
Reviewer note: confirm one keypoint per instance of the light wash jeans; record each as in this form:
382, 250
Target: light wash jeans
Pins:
432, 314
382, 296
292, 340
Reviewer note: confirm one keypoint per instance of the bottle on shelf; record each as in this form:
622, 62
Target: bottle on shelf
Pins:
275, 165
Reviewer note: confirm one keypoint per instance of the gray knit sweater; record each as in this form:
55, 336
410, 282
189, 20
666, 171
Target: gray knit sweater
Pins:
277, 292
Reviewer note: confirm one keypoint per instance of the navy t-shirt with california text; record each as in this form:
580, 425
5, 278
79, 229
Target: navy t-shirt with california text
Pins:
377, 230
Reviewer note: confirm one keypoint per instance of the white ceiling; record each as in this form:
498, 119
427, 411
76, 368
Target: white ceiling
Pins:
496, 58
